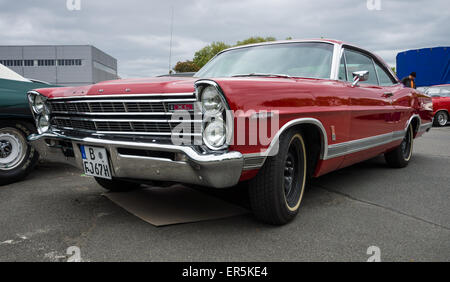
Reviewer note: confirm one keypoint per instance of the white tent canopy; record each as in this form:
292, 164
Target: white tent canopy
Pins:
6, 73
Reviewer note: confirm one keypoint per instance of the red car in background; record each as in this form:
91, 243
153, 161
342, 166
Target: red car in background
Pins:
328, 104
440, 95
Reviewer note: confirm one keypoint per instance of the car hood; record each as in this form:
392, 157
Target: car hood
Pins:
244, 93
156, 85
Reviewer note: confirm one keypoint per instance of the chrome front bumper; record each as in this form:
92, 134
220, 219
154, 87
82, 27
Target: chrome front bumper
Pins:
213, 170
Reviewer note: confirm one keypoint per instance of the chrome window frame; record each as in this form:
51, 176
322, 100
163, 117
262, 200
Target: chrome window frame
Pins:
374, 58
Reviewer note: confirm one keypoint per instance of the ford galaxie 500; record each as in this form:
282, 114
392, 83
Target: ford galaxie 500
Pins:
271, 114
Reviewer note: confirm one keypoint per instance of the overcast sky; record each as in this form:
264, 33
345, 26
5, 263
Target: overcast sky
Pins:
137, 33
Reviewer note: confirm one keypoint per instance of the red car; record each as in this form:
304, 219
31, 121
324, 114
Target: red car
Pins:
441, 103
271, 114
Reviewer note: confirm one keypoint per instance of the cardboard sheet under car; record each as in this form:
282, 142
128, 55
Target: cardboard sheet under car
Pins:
174, 205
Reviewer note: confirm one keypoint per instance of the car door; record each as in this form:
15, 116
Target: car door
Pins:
371, 110
402, 98
441, 98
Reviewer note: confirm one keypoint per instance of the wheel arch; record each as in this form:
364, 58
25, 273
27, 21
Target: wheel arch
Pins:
415, 121
310, 124
314, 134
442, 110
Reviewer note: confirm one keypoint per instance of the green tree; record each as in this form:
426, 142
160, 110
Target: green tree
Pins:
186, 66
393, 70
205, 54
257, 39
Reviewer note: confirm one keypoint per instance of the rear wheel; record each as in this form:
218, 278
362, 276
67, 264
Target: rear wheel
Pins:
117, 185
17, 157
400, 156
276, 192
441, 118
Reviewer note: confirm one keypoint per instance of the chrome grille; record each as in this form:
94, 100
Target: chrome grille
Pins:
137, 115
107, 107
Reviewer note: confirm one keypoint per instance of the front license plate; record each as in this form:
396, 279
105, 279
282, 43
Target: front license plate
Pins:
95, 162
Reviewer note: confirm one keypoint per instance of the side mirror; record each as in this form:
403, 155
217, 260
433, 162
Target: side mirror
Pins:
359, 76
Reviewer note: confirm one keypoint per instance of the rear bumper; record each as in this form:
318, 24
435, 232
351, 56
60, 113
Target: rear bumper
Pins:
213, 170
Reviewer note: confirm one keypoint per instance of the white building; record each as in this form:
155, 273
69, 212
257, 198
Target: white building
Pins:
68, 65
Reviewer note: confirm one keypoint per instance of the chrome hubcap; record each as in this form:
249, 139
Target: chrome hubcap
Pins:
442, 119
5, 148
12, 148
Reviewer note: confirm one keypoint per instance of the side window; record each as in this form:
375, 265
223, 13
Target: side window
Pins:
357, 61
342, 73
434, 92
445, 92
383, 77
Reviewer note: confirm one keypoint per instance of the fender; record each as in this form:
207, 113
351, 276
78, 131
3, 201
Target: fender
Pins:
256, 160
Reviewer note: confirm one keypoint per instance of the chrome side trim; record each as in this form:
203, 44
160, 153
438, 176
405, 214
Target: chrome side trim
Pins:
345, 148
338, 149
253, 162
353, 146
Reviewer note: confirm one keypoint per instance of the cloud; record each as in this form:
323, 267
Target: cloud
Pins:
137, 33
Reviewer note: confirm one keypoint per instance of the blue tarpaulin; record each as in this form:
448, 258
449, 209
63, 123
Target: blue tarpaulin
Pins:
432, 65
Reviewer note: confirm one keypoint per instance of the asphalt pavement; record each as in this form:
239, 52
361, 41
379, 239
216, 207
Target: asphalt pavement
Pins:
403, 213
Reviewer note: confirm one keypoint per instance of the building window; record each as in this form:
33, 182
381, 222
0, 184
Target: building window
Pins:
69, 62
43, 63
12, 63
28, 63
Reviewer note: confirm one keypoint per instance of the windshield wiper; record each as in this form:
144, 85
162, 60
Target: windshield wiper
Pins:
262, 75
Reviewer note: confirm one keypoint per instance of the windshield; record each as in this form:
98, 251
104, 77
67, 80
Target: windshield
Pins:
307, 59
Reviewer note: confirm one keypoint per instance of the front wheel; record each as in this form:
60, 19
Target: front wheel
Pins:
441, 118
276, 192
17, 157
400, 156
117, 185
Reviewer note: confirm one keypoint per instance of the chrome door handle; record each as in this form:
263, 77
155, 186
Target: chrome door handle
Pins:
388, 94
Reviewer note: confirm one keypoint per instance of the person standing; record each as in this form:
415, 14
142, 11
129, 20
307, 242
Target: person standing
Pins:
409, 81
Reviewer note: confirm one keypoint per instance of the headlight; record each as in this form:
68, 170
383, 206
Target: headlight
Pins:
212, 103
38, 104
217, 120
41, 111
214, 134
43, 124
